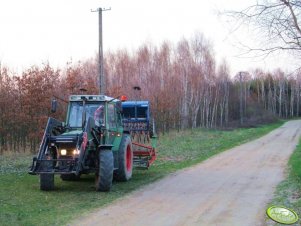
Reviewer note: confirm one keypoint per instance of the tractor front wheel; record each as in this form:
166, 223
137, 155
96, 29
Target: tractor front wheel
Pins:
104, 176
47, 179
125, 160
46, 182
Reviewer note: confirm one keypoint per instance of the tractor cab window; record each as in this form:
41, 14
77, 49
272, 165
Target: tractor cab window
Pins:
111, 116
76, 112
99, 116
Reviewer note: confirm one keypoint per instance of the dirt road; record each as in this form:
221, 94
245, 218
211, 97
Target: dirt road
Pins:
231, 188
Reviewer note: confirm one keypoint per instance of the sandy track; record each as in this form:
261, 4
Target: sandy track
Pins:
231, 188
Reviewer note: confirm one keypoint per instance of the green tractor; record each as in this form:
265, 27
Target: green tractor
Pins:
92, 140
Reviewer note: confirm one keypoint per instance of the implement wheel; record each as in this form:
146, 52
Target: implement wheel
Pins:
46, 182
125, 160
104, 177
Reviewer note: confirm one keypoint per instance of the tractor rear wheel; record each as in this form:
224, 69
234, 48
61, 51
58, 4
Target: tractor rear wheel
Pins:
125, 160
70, 177
46, 181
104, 176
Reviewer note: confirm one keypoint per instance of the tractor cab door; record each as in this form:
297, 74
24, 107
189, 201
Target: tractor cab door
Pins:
114, 126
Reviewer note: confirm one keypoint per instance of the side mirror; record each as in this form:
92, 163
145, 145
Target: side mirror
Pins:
53, 105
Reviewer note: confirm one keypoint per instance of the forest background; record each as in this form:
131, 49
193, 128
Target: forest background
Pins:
185, 86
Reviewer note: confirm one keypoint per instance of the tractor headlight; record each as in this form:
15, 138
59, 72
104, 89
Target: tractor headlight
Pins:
76, 152
63, 152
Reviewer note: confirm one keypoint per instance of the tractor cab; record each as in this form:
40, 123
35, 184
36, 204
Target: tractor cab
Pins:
82, 107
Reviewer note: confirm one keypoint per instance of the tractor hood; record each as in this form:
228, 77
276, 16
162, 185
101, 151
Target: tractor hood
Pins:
72, 133
70, 137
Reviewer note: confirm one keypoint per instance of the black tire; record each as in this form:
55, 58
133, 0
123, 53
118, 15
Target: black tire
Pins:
125, 160
70, 177
46, 182
104, 177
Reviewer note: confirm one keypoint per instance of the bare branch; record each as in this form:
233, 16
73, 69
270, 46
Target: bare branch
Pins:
287, 3
276, 20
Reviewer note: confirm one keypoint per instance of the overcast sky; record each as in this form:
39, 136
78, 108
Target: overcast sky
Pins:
35, 31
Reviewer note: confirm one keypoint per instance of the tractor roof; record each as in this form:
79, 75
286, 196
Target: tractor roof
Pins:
91, 98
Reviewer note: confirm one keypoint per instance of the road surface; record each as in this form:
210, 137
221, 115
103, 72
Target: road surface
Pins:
231, 188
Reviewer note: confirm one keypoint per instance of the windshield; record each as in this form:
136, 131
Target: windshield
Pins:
94, 110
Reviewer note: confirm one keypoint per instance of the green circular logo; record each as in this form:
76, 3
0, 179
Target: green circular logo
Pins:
282, 215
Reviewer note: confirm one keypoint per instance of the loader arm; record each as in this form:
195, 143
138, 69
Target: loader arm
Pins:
51, 125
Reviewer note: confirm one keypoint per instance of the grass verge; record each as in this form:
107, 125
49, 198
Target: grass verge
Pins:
22, 203
288, 192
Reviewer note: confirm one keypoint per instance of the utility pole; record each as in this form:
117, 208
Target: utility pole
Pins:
102, 80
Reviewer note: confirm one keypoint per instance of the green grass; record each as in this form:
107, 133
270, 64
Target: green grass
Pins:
288, 192
22, 203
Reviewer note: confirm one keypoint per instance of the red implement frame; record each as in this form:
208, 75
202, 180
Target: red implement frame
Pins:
142, 151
